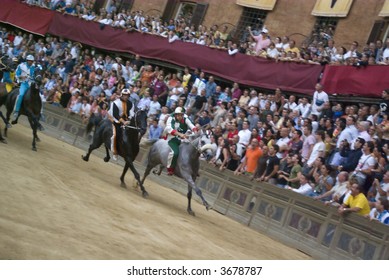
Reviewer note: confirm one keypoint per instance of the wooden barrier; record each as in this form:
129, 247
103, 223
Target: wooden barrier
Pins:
283, 215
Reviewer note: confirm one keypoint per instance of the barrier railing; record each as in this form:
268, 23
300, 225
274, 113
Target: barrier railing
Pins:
283, 215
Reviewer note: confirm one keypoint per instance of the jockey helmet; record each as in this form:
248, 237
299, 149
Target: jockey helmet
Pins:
179, 110
30, 57
125, 92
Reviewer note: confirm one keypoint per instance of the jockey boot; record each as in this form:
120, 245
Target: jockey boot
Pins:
170, 171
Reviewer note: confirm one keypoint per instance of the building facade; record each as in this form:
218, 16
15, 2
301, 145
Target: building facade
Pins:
346, 21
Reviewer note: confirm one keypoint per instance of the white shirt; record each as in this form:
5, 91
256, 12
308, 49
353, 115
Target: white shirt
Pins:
305, 189
317, 148
319, 98
244, 136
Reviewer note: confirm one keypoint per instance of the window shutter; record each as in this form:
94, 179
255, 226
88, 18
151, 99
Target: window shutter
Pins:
169, 10
376, 31
199, 13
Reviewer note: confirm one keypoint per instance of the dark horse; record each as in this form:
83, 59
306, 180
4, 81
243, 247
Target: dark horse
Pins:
127, 141
31, 105
6, 65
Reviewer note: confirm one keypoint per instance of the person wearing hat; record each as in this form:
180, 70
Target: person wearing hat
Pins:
263, 41
176, 126
9, 76
120, 113
25, 73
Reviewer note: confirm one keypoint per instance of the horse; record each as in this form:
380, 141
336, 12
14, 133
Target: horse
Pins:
6, 65
31, 105
127, 142
187, 167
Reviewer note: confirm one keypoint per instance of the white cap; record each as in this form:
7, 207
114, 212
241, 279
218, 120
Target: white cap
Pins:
179, 110
30, 57
264, 30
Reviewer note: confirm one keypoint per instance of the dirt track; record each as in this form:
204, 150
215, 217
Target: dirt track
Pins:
53, 205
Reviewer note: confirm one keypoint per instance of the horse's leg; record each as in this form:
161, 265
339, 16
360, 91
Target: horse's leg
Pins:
36, 125
123, 184
7, 124
7, 117
189, 196
95, 144
107, 144
191, 182
2, 140
34, 132
130, 164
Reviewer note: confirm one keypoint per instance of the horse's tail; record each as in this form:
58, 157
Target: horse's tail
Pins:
94, 120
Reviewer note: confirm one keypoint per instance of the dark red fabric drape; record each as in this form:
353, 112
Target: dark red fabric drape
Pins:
33, 19
349, 80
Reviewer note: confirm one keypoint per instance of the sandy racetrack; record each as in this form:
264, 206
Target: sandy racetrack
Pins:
53, 205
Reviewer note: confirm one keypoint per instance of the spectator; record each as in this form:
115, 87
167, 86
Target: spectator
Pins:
272, 166
305, 187
155, 131
249, 162
356, 202
380, 211
319, 98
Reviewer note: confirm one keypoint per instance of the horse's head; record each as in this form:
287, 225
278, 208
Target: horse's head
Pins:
38, 75
141, 121
7, 64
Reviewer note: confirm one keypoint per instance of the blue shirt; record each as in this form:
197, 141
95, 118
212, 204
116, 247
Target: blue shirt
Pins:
155, 132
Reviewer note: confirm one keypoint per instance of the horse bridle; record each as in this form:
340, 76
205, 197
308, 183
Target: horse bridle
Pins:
136, 123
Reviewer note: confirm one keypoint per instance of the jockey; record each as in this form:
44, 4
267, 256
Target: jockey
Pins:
176, 126
120, 113
24, 74
9, 78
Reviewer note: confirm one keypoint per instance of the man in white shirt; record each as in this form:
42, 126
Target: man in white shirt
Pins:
319, 98
318, 149
244, 134
305, 187
283, 142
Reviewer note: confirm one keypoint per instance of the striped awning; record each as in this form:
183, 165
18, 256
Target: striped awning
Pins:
385, 9
258, 4
332, 8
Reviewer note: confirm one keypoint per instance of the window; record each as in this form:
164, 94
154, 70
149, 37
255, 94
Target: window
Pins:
192, 13
250, 17
186, 11
125, 5
323, 30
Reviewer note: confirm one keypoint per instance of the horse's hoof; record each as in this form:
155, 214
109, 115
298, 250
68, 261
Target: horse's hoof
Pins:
106, 159
34, 149
84, 158
145, 194
123, 185
191, 212
3, 141
9, 125
14, 122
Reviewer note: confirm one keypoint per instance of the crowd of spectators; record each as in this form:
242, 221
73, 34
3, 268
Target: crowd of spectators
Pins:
332, 152
256, 40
